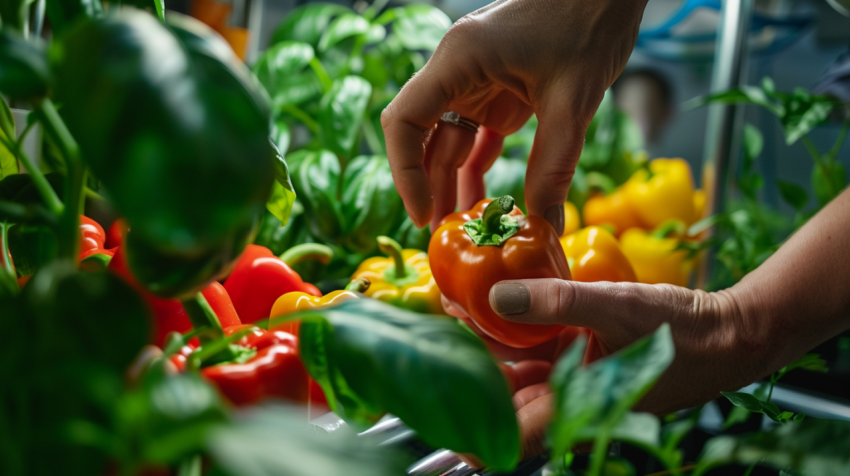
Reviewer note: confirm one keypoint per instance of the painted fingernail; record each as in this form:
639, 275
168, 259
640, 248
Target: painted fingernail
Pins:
555, 216
510, 298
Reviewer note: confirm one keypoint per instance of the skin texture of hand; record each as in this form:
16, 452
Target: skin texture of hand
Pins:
497, 66
725, 340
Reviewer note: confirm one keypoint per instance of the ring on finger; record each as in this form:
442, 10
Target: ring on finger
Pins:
454, 118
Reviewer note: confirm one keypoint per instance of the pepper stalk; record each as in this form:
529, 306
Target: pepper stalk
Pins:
496, 224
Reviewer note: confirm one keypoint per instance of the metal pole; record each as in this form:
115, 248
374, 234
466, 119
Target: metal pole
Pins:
724, 120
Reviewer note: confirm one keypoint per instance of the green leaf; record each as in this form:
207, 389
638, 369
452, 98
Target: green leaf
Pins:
15, 15
804, 112
828, 179
744, 94
418, 26
279, 64
344, 26
32, 247
24, 72
64, 13
7, 120
8, 160
193, 178
810, 362
408, 236
744, 400
307, 23
370, 203
281, 136
599, 395
376, 34
341, 114
372, 358
316, 177
275, 440
283, 194
753, 145
793, 194
813, 446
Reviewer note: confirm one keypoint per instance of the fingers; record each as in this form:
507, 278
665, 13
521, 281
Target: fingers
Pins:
446, 151
487, 148
533, 419
408, 122
528, 394
554, 155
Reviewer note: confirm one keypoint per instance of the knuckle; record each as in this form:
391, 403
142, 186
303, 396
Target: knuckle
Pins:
564, 296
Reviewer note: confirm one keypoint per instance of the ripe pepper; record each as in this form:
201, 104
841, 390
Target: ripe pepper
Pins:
268, 365
260, 277
115, 234
612, 210
572, 221
169, 314
471, 251
663, 191
93, 254
594, 255
655, 258
403, 280
301, 301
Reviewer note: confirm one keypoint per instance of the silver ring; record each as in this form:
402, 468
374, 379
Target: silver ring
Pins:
454, 118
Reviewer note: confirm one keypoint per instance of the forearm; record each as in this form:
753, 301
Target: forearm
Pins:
800, 297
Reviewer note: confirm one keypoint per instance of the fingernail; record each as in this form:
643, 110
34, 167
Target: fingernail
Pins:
555, 216
510, 298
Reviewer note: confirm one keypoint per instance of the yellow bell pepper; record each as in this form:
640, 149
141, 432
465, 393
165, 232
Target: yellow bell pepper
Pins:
699, 205
667, 193
571, 218
612, 210
301, 301
594, 255
403, 280
655, 258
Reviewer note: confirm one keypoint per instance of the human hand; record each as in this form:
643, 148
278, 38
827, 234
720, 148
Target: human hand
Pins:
497, 66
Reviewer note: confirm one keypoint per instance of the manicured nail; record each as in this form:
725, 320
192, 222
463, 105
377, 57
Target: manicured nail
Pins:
555, 216
510, 298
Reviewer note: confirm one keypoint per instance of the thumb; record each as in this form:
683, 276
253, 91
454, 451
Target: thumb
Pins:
557, 146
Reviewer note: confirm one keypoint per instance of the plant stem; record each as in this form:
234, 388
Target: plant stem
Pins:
391, 248
839, 141
202, 316
491, 219
597, 458
813, 151
38, 179
69, 222
359, 285
322, 74
307, 251
302, 116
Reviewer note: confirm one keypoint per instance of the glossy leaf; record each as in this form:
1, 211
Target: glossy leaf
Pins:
744, 94
341, 114
793, 194
280, 63
24, 72
316, 179
804, 112
193, 178
8, 161
344, 26
810, 362
370, 203
744, 400
7, 119
599, 395
283, 194
418, 26
307, 23
372, 358
813, 446
275, 440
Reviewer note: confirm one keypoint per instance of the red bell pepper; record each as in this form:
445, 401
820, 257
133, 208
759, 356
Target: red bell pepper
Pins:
169, 314
260, 277
275, 370
92, 236
115, 234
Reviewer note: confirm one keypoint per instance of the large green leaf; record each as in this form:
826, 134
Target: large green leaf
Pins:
275, 440
24, 72
598, 396
418, 26
8, 161
803, 112
280, 63
283, 194
344, 26
341, 114
176, 129
370, 203
372, 358
316, 177
812, 446
307, 23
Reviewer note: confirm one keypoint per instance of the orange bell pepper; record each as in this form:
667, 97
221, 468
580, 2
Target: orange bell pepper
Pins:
594, 255
612, 210
471, 251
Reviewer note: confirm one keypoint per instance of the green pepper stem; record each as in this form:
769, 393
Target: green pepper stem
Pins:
391, 248
491, 219
38, 179
668, 227
307, 251
359, 285
202, 316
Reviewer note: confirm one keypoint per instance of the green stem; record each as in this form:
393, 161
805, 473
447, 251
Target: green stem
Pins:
597, 458
93, 195
69, 222
813, 151
371, 136
202, 316
322, 74
670, 226
38, 179
391, 248
375, 9
359, 285
491, 219
839, 141
190, 466
302, 116
306, 252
